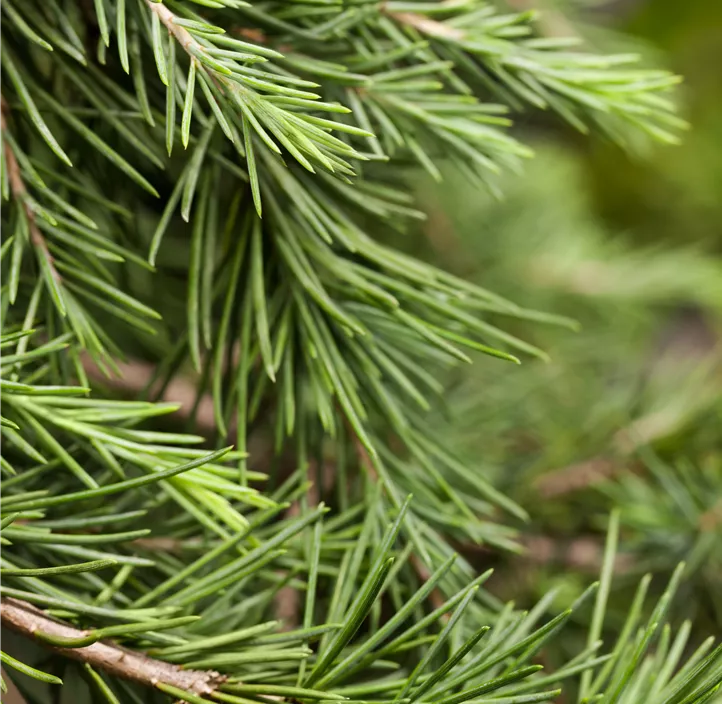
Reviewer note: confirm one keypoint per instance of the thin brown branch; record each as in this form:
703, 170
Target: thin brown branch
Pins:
423, 573
584, 554
20, 193
364, 458
255, 35
576, 477
427, 26
711, 519
193, 48
135, 375
184, 37
190, 45
287, 602
170, 545
552, 23
27, 620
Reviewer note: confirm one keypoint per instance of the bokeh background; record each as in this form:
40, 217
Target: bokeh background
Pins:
628, 410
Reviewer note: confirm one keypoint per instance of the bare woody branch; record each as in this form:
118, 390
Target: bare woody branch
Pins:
27, 620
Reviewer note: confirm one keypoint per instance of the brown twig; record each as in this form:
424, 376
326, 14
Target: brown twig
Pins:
27, 620
135, 375
170, 545
576, 477
585, 553
427, 26
363, 455
255, 35
287, 602
436, 597
711, 519
552, 23
20, 193
184, 37
192, 47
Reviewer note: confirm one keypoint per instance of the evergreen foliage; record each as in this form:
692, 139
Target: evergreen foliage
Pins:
626, 414
217, 186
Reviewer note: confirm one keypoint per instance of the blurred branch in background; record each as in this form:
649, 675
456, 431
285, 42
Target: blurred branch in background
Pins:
627, 412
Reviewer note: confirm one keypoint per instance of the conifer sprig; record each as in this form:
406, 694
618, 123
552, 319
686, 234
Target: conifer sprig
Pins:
216, 182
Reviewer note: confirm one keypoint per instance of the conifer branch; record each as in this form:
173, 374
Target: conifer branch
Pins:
28, 621
301, 315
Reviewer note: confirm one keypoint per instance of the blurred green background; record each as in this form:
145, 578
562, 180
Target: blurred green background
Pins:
628, 411
675, 195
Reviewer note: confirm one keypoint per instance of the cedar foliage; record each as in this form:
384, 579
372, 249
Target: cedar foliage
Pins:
216, 186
